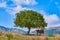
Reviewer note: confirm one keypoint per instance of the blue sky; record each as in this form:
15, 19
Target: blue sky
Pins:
49, 8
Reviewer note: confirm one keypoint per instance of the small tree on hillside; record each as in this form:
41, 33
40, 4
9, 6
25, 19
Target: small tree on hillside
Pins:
30, 19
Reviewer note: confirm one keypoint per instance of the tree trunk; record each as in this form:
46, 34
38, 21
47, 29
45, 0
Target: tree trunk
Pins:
28, 31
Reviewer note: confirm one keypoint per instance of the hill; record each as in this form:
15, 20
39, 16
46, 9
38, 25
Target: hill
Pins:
49, 31
14, 30
52, 30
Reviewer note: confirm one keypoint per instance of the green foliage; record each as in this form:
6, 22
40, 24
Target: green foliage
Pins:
30, 19
10, 36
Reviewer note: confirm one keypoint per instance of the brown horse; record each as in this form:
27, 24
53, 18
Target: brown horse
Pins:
40, 31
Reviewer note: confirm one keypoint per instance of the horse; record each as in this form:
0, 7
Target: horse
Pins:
40, 31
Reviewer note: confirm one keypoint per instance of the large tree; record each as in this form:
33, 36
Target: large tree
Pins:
30, 19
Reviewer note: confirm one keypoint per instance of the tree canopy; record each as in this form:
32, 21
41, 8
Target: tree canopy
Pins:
30, 19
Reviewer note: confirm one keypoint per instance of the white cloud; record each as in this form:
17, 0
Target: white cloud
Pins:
14, 10
18, 7
55, 25
32, 2
3, 4
51, 18
52, 26
25, 2
18, 3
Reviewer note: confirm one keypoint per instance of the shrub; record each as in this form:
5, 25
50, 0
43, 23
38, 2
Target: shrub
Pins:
10, 36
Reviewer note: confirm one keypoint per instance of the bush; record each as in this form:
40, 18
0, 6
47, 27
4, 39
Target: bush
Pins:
10, 36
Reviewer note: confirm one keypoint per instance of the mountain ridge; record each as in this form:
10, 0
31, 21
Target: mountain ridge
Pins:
50, 31
14, 30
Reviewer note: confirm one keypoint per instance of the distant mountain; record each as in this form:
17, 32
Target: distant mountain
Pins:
48, 31
14, 30
52, 30
4, 28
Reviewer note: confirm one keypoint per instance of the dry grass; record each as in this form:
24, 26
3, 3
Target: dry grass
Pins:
57, 37
17, 36
26, 37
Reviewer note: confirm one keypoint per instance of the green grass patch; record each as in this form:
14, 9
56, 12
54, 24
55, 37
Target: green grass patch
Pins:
51, 37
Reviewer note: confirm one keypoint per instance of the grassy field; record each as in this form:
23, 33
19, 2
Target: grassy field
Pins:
16, 36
